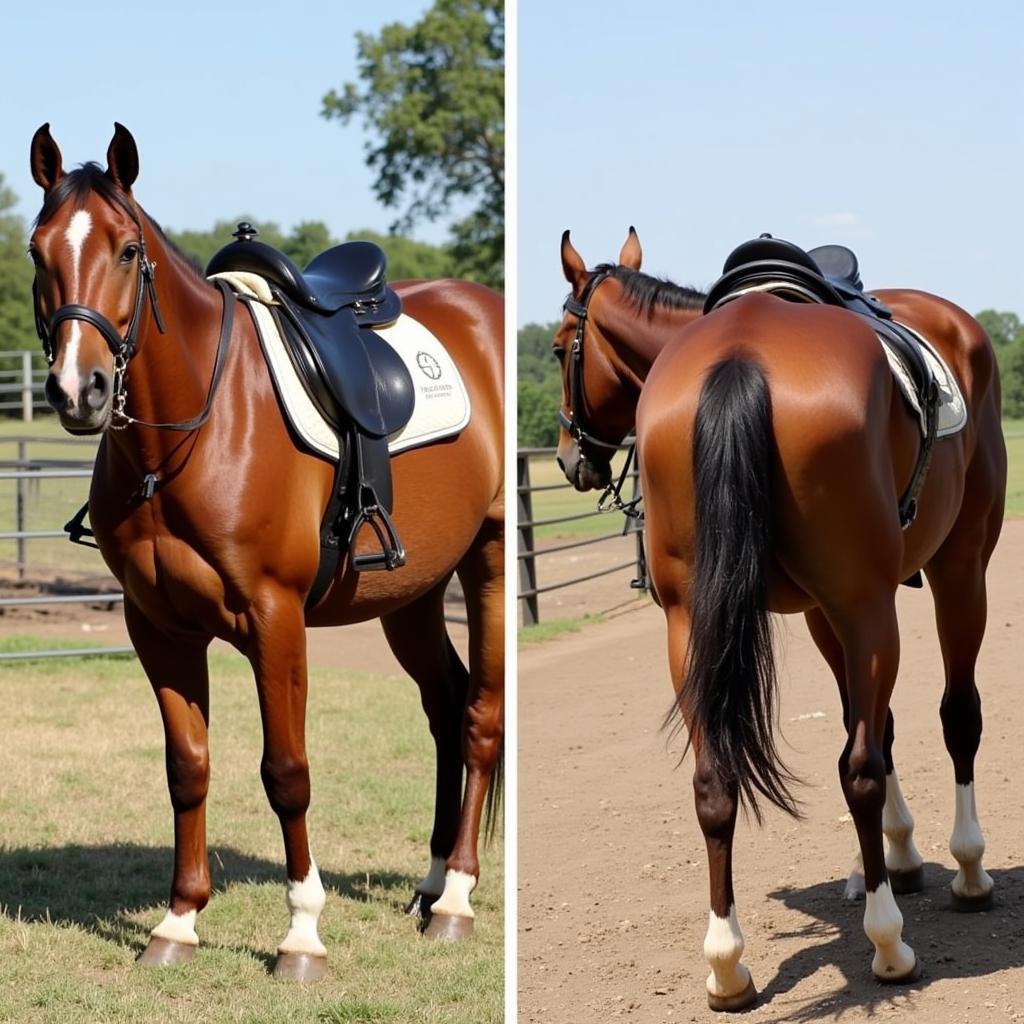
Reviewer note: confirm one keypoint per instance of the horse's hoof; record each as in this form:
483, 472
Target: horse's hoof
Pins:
165, 953
304, 967
733, 1004
972, 904
904, 882
420, 904
449, 928
904, 979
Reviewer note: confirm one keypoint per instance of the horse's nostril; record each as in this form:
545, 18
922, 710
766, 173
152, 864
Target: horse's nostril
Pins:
561, 464
54, 394
99, 388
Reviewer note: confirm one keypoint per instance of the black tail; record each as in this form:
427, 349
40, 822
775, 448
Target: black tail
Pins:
493, 801
730, 692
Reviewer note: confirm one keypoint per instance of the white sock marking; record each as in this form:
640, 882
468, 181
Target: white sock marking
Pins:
883, 925
967, 845
305, 901
77, 231
433, 883
723, 947
178, 928
455, 898
898, 826
855, 883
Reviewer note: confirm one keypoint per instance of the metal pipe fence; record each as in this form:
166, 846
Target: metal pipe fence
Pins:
22, 375
528, 552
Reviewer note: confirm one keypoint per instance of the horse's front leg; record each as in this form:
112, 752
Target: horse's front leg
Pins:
277, 652
178, 673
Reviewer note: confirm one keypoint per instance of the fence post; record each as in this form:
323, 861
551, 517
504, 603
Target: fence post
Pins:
527, 568
26, 387
19, 513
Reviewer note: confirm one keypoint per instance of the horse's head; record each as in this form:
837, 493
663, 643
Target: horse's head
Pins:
92, 276
595, 415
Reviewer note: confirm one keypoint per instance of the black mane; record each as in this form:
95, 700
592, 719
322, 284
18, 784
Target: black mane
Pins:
78, 184
651, 293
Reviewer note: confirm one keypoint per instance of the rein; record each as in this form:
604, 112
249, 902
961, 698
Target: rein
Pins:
611, 497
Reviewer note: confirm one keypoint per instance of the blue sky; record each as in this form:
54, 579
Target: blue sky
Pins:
894, 127
223, 100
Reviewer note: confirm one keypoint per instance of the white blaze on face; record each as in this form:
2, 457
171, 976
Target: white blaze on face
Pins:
305, 901
77, 231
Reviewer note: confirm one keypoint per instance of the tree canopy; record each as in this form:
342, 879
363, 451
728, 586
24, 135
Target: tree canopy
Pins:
17, 328
539, 387
432, 95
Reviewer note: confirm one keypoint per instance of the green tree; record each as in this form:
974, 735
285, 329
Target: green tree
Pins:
432, 94
1002, 328
1007, 335
17, 327
539, 387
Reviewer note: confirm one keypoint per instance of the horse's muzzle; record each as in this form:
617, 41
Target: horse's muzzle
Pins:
83, 408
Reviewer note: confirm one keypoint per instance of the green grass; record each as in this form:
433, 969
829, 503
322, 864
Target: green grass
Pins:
85, 857
544, 631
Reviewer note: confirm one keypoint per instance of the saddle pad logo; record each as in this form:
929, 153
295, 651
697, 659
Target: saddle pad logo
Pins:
429, 365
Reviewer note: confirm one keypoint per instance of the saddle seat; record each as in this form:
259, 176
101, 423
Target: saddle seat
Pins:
351, 275
358, 383
830, 275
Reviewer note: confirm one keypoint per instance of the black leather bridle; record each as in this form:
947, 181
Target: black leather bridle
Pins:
611, 498
573, 423
124, 347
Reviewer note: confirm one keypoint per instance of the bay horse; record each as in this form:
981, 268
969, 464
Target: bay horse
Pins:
227, 542
773, 448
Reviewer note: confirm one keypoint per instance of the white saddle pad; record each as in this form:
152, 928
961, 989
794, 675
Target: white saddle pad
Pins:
952, 408
442, 404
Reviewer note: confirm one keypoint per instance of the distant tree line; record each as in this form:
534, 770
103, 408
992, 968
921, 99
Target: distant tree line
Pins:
540, 380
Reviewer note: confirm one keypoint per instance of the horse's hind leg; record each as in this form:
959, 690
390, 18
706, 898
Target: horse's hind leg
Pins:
178, 673
957, 578
482, 573
419, 639
902, 859
716, 799
277, 652
867, 629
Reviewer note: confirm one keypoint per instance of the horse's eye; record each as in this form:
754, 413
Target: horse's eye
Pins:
33, 255
559, 354
130, 252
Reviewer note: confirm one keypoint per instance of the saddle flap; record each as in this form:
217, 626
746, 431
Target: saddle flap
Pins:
349, 370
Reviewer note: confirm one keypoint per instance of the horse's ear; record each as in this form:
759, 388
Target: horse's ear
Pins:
631, 253
47, 169
122, 158
572, 262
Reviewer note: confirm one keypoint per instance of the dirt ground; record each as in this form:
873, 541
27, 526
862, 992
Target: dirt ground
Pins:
612, 870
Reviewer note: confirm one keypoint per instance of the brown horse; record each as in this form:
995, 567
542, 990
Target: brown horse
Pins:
227, 545
774, 447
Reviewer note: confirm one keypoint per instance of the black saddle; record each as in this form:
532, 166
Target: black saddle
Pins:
829, 274
356, 380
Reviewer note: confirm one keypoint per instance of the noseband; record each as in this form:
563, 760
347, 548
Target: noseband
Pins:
573, 423
123, 347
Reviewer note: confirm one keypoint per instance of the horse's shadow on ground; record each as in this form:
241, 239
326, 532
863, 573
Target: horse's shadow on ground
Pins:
948, 945
102, 888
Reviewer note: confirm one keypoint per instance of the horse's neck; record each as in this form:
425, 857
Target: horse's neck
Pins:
635, 343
